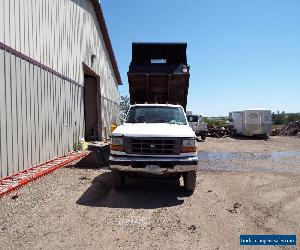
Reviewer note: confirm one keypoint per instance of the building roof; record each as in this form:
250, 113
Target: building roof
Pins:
105, 34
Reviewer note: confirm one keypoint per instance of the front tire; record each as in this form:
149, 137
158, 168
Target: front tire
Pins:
118, 179
189, 179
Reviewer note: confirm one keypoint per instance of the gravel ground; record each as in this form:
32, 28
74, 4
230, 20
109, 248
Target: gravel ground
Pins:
76, 208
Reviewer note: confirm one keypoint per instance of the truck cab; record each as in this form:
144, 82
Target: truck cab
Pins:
156, 138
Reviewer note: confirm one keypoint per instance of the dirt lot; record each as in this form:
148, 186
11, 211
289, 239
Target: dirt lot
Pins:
243, 187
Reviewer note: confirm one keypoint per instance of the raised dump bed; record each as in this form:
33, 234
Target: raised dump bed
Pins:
159, 73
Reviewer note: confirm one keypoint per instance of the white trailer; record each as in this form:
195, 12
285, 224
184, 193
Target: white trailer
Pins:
252, 122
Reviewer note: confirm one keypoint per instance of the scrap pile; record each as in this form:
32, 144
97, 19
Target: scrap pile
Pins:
215, 131
292, 129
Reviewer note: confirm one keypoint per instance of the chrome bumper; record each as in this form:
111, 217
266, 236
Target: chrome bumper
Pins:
153, 165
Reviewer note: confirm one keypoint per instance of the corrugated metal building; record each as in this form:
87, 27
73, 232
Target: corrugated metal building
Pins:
58, 79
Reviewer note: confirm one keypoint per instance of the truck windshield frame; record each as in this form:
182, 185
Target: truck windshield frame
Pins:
156, 114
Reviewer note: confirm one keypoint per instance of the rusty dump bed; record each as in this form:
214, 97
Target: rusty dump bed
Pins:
159, 73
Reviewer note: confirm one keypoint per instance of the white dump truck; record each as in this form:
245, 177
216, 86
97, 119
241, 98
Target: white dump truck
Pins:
156, 138
252, 122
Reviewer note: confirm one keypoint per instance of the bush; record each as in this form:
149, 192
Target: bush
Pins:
284, 118
215, 122
124, 107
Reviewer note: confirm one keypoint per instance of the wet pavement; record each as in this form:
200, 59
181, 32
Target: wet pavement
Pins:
276, 161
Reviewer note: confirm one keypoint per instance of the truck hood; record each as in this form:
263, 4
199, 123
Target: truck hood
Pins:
153, 130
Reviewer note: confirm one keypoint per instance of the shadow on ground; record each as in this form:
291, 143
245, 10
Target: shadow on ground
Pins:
98, 157
147, 193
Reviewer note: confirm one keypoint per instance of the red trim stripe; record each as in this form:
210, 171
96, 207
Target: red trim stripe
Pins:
36, 63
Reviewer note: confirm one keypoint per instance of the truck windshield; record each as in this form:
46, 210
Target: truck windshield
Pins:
142, 114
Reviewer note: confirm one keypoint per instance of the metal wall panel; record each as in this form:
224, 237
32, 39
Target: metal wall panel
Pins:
41, 112
2, 20
60, 34
3, 144
22, 86
9, 145
38, 114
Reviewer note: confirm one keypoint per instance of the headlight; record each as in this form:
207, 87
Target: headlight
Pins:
188, 146
118, 140
117, 143
188, 143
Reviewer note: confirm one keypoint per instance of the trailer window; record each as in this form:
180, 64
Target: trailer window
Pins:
156, 115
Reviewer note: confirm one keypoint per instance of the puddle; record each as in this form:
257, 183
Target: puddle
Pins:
277, 161
285, 154
229, 156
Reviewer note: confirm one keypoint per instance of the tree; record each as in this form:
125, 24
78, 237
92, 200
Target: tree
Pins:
124, 107
283, 118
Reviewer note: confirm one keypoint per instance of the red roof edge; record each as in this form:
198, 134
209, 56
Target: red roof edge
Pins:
105, 34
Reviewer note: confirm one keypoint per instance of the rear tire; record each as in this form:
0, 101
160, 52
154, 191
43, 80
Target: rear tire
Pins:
203, 137
118, 179
189, 179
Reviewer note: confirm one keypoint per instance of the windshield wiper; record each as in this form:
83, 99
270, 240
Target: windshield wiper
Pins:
175, 122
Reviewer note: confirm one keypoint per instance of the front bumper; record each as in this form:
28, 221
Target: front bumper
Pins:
154, 165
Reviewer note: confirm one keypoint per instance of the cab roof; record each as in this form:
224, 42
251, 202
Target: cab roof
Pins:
156, 105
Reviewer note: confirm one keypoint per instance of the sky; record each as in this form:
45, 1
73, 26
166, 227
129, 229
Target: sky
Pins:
242, 53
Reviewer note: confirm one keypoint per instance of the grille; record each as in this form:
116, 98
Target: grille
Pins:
152, 146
